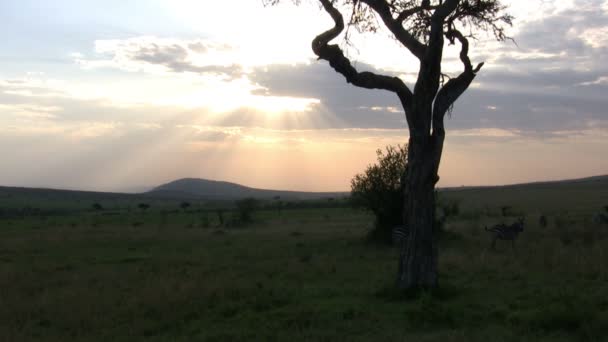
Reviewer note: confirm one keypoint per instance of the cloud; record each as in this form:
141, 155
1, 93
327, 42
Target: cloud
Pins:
554, 80
29, 111
341, 104
603, 80
152, 54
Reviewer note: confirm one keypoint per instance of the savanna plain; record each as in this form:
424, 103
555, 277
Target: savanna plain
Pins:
300, 271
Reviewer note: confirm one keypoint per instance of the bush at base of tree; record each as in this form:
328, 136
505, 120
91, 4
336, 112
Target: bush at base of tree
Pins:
379, 189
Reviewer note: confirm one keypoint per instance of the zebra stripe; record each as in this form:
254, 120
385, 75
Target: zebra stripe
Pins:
399, 235
502, 231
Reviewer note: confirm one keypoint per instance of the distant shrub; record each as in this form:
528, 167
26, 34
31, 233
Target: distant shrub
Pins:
97, 207
184, 205
143, 206
220, 216
245, 209
278, 204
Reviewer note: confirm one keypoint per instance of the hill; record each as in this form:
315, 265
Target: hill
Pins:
546, 196
588, 195
217, 190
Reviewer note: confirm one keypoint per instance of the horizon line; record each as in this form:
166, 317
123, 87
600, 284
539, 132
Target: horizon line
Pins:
285, 190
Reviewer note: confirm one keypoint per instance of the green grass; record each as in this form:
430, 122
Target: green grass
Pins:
303, 275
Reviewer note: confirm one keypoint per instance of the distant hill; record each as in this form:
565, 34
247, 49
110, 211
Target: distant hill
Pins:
594, 180
216, 190
583, 192
556, 197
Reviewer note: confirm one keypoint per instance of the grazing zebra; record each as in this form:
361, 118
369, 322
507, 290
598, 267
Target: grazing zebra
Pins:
600, 218
503, 232
399, 235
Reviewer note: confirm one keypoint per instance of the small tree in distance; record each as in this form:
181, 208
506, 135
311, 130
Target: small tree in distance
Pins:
379, 188
245, 208
184, 205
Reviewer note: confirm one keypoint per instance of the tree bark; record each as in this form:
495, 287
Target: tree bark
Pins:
418, 261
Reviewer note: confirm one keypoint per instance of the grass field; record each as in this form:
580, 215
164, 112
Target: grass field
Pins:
305, 275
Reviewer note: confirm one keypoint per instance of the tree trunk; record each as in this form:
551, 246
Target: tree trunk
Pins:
418, 258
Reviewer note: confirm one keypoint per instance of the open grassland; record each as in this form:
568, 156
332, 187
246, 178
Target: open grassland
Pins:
305, 275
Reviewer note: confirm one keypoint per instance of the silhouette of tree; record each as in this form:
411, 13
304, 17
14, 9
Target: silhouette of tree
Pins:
143, 206
184, 205
220, 216
97, 207
422, 27
245, 208
279, 204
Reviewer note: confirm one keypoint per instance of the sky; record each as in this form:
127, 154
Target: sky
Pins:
126, 95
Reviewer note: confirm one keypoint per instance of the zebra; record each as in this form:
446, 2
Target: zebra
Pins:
504, 232
600, 218
399, 235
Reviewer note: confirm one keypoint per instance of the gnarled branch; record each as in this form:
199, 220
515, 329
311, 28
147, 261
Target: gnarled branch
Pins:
396, 27
340, 63
448, 94
453, 34
455, 87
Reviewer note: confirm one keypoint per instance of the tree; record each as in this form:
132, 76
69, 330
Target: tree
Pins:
422, 27
279, 204
220, 216
184, 205
245, 208
379, 189
143, 206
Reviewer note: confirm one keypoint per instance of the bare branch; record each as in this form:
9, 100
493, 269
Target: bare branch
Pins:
325, 37
453, 34
396, 27
405, 14
448, 94
340, 63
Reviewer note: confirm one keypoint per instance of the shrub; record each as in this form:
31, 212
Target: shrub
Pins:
184, 205
379, 189
245, 209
